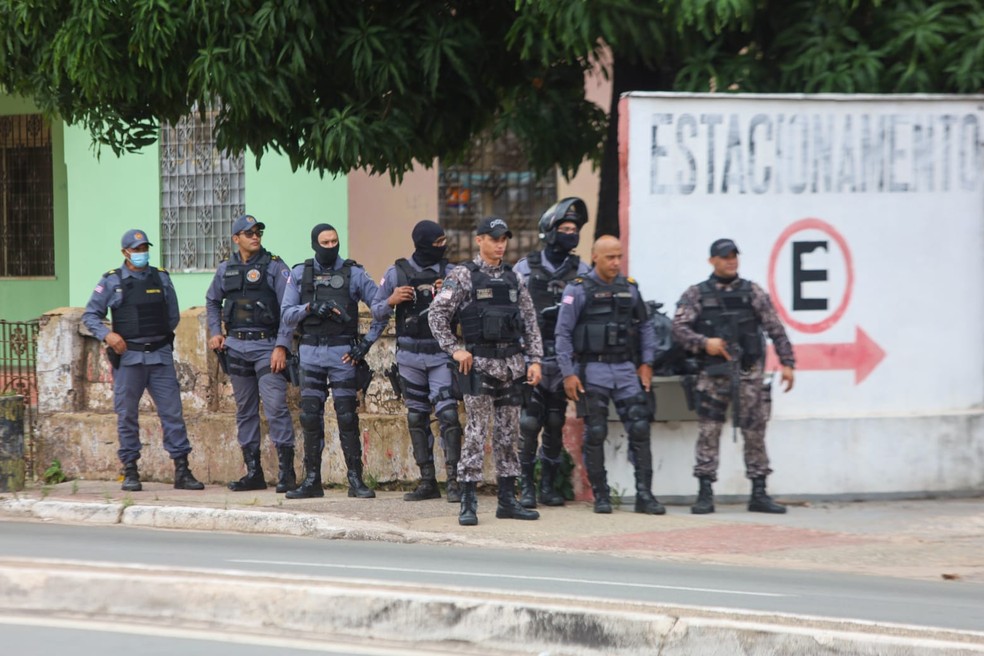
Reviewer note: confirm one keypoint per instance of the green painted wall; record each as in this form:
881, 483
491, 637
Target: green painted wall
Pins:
27, 298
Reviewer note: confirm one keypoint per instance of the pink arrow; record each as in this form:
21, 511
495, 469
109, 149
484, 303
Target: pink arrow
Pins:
863, 355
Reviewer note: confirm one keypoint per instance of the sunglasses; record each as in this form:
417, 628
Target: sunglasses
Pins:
252, 233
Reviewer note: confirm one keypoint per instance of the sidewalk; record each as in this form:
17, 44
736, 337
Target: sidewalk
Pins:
924, 539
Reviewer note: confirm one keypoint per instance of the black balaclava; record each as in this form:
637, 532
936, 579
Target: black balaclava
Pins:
326, 256
424, 234
563, 244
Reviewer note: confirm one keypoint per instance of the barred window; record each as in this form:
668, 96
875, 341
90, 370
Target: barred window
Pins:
495, 179
202, 193
27, 221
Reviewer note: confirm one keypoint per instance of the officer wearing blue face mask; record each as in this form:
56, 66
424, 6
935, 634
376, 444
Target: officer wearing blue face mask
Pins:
145, 313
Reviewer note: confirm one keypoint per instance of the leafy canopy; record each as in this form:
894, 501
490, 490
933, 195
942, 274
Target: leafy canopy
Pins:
379, 85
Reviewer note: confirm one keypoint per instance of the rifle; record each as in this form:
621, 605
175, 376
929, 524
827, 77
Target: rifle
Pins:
223, 360
293, 369
393, 374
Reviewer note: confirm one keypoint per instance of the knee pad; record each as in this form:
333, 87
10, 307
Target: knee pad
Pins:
638, 429
448, 418
312, 413
555, 421
529, 424
418, 420
595, 429
346, 414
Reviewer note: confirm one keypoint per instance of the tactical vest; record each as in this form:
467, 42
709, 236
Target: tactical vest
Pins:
409, 322
728, 314
546, 288
493, 314
606, 328
248, 299
332, 285
143, 312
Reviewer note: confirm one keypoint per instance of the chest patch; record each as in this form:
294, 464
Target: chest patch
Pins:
253, 275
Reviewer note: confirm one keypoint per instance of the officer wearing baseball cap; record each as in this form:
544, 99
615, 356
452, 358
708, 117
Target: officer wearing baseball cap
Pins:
145, 313
245, 296
724, 320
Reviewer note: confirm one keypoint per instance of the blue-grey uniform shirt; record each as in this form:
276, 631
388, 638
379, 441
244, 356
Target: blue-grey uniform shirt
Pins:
361, 288
381, 310
277, 275
571, 305
108, 294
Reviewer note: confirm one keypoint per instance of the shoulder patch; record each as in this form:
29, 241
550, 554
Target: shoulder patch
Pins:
631, 281
163, 270
577, 281
110, 272
275, 258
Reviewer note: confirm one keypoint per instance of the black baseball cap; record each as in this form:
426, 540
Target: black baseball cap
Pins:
495, 226
723, 247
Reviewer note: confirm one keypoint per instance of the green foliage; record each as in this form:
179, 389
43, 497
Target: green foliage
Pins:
54, 475
383, 86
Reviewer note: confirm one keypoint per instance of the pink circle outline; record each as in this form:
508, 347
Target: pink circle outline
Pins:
823, 226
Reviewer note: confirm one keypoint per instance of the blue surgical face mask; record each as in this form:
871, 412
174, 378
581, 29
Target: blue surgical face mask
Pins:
139, 260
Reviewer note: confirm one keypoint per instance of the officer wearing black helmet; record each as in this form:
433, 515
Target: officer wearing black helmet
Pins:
546, 272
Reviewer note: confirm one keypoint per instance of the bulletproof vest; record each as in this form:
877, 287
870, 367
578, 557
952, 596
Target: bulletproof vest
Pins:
546, 288
728, 314
248, 300
331, 285
409, 322
606, 325
143, 312
493, 313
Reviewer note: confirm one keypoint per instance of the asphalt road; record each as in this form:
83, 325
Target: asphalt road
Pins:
945, 604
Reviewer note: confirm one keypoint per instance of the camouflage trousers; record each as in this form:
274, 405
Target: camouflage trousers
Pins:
713, 402
504, 417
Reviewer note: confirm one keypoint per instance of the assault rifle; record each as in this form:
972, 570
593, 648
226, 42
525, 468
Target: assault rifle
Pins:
728, 331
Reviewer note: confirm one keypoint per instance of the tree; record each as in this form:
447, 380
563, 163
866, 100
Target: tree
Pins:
379, 85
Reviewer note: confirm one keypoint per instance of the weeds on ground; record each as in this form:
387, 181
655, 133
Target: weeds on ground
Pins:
54, 475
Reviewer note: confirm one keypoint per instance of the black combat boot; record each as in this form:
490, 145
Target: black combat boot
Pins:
131, 478
183, 478
602, 499
645, 502
527, 485
762, 502
253, 480
549, 496
705, 498
468, 516
357, 487
311, 486
509, 507
287, 479
453, 487
427, 487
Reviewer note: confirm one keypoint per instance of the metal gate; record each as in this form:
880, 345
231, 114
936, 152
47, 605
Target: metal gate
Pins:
18, 374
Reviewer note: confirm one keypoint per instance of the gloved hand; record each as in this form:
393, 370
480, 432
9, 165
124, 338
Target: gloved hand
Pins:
322, 309
359, 350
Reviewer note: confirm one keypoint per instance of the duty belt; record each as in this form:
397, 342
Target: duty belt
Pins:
149, 346
333, 340
250, 335
425, 347
497, 352
609, 358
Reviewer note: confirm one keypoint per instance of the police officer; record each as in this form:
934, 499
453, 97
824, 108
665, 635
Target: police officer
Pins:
546, 273
601, 324
498, 324
424, 369
722, 319
245, 295
145, 313
322, 303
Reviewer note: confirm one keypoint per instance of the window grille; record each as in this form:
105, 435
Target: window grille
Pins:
27, 222
202, 193
495, 179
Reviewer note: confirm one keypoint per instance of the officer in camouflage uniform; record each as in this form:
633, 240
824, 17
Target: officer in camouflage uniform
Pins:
245, 295
145, 313
322, 303
498, 324
546, 272
605, 348
424, 368
720, 319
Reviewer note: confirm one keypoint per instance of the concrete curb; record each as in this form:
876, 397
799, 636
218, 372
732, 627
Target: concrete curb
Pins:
324, 609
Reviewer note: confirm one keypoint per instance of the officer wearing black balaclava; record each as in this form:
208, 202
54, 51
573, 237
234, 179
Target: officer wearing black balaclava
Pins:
546, 273
322, 303
423, 374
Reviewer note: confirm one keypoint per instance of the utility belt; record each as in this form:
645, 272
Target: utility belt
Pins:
251, 335
150, 347
330, 340
496, 352
608, 358
426, 347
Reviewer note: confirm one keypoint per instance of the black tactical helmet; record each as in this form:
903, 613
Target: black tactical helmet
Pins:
567, 209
